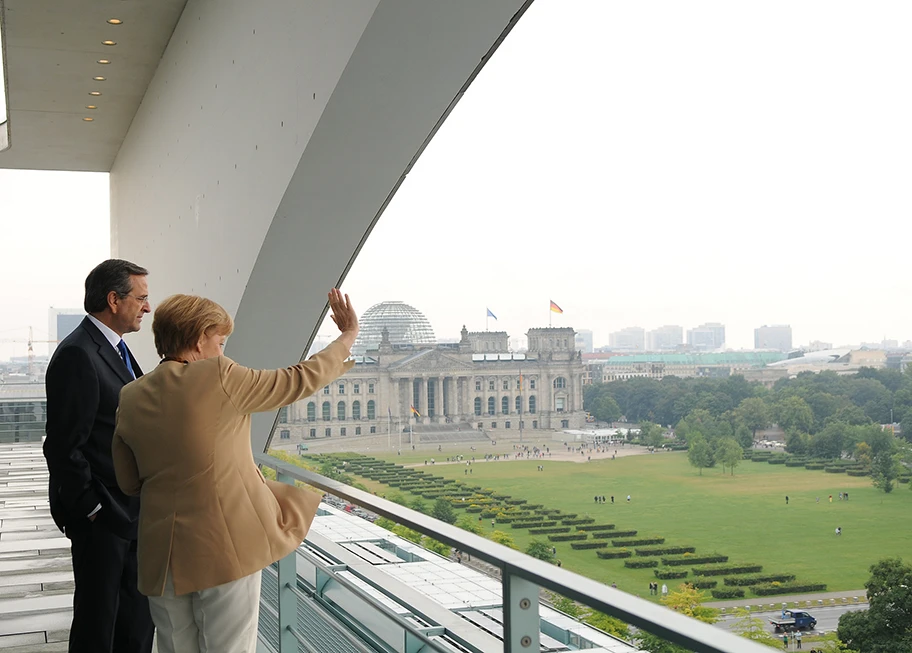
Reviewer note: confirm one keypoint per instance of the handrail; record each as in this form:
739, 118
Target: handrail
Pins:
665, 623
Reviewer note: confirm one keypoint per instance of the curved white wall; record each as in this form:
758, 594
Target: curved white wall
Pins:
271, 139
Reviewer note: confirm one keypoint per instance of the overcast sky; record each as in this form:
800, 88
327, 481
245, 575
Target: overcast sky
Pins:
640, 163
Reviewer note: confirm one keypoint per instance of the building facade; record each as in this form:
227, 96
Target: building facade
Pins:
476, 383
777, 337
631, 338
584, 341
707, 337
658, 365
665, 337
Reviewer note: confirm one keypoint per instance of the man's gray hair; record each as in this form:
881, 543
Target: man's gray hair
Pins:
113, 274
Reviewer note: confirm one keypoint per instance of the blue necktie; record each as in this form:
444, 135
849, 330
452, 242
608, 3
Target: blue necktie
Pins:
122, 346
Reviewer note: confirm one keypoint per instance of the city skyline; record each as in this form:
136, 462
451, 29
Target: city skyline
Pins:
658, 195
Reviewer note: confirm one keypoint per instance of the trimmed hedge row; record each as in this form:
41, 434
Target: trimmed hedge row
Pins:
596, 527
815, 466
858, 472
577, 522
675, 561
834, 470
669, 574
641, 564
665, 550
549, 531
729, 569
732, 593
532, 524
588, 545
646, 541
573, 537
741, 581
788, 588
612, 534
611, 554
704, 584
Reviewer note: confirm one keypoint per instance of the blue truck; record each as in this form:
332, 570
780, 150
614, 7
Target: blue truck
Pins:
794, 620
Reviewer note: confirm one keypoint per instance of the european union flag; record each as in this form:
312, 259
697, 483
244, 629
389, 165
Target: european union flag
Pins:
490, 314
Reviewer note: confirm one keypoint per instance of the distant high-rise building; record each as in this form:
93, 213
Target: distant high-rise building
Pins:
631, 338
665, 337
61, 323
583, 340
707, 337
777, 337
817, 345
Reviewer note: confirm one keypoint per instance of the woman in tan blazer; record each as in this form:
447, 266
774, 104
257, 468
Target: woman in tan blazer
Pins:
209, 522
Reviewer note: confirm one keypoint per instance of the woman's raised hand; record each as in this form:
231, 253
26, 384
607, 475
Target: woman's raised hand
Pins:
344, 315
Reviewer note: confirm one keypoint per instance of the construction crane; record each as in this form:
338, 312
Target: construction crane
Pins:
31, 350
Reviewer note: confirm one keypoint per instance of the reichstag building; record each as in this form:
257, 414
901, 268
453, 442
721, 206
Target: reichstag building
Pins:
476, 384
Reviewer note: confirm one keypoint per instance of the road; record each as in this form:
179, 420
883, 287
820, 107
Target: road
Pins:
827, 617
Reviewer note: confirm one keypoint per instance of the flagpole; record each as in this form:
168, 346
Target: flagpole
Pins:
399, 431
389, 427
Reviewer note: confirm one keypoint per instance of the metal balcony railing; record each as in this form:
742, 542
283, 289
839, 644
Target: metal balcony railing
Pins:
522, 577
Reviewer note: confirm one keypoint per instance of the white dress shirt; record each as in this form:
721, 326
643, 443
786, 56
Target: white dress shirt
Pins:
114, 339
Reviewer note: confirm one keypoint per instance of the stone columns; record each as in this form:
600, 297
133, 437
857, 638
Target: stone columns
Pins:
439, 402
423, 397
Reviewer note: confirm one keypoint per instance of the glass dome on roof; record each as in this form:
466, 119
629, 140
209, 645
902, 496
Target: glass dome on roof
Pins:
406, 325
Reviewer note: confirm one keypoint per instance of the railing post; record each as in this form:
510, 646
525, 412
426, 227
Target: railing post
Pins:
522, 627
288, 602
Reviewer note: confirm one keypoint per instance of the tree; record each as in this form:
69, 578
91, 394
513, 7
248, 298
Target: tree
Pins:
610, 625
567, 606
651, 434
540, 550
750, 627
606, 409
730, 453
655, 644
437, 547
863, 455
885, 470
755, 413
418, 505
407, 533
797, 442
699, 453
689, 601
886, 626
443, 510
794, 413
503, 538
470, 525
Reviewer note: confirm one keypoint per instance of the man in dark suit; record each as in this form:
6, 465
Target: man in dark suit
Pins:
84, 379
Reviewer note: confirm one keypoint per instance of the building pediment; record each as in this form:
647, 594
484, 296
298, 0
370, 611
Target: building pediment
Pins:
431, 361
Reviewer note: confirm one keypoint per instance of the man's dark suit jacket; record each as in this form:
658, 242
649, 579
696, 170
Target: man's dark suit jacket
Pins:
83, 382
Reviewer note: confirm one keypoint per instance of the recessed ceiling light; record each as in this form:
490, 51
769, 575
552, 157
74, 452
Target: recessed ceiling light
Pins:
115, 21
91, 106
104, 61
87, 119
95, 93
109, 42
99, 78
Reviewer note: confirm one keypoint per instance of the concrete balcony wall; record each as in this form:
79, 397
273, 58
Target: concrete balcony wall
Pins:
270, 140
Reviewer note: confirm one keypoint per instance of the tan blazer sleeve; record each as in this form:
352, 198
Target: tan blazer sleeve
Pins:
256, 391
125, 468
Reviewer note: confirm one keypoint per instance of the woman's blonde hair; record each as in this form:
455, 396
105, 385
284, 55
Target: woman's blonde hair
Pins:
181, 320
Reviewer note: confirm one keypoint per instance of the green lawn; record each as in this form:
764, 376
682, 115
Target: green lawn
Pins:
744, 517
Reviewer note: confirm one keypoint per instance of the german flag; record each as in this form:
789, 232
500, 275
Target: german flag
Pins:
555, 308
415, 412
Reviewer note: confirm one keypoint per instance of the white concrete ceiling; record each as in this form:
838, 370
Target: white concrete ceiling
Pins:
52, 50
